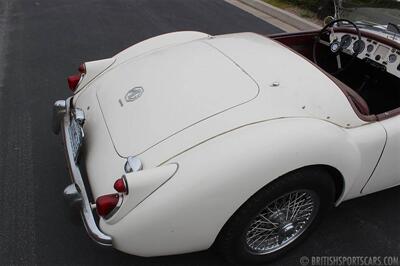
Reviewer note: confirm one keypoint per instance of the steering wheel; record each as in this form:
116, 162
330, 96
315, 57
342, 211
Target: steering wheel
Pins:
336, 47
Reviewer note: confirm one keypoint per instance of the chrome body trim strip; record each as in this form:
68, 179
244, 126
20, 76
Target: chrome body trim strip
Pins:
76, 192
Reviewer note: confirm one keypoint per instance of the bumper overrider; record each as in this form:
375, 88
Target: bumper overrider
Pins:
75, 193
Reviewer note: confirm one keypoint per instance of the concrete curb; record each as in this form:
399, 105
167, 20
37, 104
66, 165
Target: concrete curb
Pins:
287, 17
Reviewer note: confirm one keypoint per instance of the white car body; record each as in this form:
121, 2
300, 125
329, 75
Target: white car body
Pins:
218, 118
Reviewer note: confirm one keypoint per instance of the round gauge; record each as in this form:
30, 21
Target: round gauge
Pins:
370, 48
359, 46
392, 58
345, 41
335, 46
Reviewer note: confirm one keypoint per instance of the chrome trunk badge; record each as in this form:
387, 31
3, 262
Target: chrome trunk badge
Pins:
134, 94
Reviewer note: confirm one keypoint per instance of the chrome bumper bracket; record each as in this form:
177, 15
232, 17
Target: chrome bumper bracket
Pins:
72, 196
59, 111
75, 193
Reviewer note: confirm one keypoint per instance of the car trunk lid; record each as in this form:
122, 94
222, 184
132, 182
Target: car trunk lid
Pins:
148, 99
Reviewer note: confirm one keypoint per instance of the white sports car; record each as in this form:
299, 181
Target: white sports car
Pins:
240, 141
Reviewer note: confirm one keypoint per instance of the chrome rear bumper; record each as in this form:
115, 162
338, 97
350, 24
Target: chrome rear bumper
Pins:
75, 193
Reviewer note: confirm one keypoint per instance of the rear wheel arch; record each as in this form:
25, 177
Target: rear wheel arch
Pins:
334, 173
337, 178
334, 183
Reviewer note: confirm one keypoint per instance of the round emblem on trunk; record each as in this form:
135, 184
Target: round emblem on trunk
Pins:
134, 94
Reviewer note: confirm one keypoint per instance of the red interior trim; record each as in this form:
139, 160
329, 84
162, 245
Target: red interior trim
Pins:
289, 39
294, 38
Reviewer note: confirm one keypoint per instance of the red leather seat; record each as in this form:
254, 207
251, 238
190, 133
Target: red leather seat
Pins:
360, 103
353, 96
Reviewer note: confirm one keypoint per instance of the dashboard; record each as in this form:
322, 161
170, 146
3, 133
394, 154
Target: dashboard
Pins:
375, 52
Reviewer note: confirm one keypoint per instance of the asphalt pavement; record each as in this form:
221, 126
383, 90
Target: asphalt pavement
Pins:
44, 41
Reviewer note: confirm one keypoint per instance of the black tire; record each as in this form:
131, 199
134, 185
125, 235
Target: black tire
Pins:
231, 242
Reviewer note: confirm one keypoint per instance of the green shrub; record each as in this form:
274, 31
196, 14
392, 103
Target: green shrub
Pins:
306, 4
322, 8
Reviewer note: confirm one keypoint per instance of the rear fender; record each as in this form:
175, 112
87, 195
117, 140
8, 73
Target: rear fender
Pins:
245, 160
155, 43
94, 69
217, 176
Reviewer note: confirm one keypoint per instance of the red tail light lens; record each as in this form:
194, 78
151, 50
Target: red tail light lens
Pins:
82, 69
73, 81
105, 204
120, 185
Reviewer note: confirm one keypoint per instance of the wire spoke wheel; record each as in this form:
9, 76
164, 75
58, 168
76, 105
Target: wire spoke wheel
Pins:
281, 221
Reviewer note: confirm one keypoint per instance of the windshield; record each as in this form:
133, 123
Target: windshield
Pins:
379, 12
